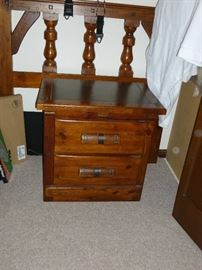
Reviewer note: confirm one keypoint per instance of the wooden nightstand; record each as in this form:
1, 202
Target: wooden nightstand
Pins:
97, 138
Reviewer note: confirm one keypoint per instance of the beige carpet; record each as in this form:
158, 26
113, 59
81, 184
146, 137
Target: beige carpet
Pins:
92, 236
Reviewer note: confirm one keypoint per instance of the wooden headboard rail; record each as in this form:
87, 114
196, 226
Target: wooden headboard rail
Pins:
87, 8
131, 14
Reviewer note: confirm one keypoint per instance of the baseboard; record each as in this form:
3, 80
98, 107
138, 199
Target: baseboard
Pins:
173, 173
162, 153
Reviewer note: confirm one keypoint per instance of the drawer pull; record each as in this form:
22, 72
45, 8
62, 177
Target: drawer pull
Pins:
100, 138
96, 172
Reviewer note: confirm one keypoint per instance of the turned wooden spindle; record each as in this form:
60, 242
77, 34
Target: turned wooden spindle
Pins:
50, 35
88, 67
125, 69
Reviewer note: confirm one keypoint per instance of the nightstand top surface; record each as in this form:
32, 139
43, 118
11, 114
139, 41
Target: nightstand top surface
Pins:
66, 93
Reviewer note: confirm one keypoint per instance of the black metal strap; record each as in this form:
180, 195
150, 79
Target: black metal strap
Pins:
68, 9
99, 32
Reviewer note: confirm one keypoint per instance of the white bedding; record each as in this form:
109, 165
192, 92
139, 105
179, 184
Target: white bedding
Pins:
175, 49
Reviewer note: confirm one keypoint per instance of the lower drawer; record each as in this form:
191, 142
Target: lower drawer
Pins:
96, 170
123, 193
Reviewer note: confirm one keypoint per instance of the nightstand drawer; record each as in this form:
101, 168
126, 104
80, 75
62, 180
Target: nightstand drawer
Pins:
96, 170
100, 193
101, 137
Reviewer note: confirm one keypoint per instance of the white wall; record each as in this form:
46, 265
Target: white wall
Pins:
70, 48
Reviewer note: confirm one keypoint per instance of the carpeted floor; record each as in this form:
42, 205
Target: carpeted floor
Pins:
35, 235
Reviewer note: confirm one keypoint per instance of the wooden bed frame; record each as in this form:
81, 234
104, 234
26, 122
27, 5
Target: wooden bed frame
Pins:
10, 42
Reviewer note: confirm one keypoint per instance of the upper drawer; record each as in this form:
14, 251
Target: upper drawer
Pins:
101, 137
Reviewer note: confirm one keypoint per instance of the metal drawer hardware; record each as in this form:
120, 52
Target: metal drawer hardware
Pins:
96, 172
100, 138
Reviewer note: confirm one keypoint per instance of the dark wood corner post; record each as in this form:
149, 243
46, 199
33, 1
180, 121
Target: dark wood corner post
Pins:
147, 27
125, 69
88, 67
6, 69
50, 36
